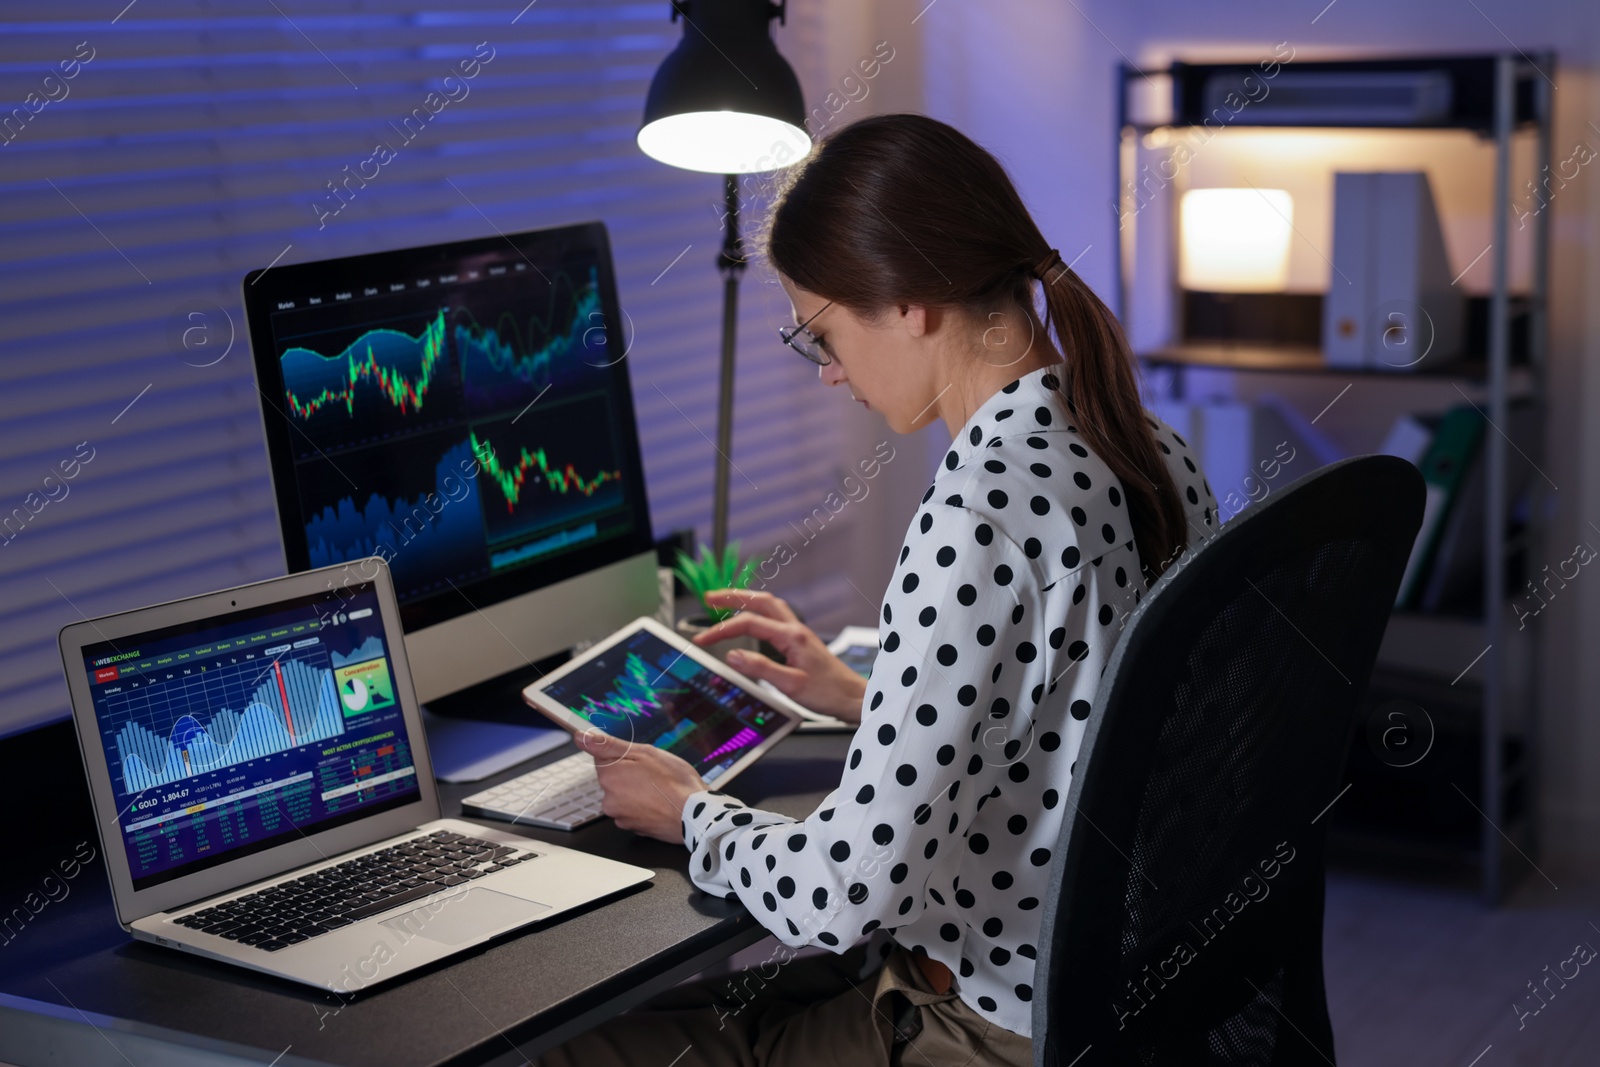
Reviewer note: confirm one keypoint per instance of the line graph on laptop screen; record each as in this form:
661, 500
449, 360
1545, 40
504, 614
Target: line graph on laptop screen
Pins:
226, 737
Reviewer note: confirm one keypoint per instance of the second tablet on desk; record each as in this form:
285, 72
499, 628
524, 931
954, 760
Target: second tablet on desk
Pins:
648, 685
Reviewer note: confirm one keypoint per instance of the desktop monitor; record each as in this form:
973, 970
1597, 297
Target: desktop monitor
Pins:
464, 411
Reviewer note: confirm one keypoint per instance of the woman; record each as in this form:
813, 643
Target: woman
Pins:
910, 261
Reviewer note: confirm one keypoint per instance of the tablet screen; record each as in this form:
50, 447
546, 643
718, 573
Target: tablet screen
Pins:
859, 658
644, 690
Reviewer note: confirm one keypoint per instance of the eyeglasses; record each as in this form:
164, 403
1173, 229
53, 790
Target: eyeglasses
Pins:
805, 342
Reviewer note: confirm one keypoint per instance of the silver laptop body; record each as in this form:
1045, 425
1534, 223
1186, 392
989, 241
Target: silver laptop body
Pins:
263, 792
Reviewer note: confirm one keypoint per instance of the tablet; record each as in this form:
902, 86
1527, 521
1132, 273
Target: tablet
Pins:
648, 685
858, 647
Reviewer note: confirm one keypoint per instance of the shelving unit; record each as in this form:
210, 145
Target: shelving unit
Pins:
1499, 98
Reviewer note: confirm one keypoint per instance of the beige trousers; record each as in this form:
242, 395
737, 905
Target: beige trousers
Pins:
812, 1011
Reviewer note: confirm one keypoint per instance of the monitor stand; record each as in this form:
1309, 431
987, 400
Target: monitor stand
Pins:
485, 728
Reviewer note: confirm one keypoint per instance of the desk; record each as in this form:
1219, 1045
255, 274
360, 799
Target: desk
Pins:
73, 983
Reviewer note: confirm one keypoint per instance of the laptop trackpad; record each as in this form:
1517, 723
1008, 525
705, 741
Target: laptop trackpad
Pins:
470, 916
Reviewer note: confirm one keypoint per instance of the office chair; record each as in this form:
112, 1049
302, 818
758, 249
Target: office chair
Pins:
1183, 924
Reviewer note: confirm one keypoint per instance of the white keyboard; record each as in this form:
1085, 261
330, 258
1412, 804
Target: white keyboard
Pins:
562, 796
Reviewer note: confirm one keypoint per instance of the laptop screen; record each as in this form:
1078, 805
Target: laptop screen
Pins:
228, 736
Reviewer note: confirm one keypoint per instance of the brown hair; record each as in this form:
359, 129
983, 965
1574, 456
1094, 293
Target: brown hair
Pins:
903, 209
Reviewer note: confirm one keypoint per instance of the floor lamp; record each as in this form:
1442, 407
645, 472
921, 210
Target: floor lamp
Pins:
725, 102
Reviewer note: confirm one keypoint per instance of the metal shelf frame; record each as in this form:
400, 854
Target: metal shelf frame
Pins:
1521, 104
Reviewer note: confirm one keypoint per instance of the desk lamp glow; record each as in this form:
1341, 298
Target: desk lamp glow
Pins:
725, 102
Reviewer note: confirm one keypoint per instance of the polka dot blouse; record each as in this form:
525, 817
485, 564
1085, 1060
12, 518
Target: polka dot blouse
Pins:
1012, 587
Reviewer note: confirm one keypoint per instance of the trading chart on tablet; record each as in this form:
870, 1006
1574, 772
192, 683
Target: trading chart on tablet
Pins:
644, 690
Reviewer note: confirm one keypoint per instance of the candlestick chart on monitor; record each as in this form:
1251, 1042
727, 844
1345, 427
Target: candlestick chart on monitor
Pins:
550, 470
368, 381
459, 426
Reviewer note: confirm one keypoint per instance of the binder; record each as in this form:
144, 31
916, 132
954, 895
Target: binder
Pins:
1390, 303
1445, 467
1454, 582
1408, 439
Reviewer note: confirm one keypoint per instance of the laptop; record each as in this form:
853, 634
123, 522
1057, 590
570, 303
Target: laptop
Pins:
263, 793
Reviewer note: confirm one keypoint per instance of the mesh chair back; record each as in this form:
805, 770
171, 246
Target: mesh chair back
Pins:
1184, 920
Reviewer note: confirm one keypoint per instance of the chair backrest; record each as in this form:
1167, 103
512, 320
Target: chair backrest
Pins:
1183, 924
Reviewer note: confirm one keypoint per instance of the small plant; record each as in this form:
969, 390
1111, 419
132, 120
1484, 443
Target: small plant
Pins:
708, 572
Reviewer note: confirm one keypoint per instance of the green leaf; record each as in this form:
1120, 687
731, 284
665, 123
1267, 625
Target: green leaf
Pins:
708, 571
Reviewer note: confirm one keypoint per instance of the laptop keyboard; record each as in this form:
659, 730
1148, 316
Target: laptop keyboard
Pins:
375, 882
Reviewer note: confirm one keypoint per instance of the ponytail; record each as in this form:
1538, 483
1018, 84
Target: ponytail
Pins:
1100, 391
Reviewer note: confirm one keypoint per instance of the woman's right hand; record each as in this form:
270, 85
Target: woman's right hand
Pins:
812, 676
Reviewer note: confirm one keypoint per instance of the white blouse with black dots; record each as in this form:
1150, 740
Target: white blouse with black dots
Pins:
1012, 586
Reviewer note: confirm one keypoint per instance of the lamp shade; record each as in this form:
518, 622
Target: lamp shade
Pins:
1235, 240
724, 101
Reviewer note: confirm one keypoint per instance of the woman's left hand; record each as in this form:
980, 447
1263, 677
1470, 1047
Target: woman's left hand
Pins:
645, 787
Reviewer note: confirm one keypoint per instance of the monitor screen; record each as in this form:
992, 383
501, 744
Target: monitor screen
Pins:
644, 690
462, 410
229, 736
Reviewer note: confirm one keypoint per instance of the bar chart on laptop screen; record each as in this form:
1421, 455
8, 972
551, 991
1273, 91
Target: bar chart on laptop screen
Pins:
208, 719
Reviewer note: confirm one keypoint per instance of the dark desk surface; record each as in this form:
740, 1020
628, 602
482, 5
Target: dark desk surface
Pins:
70, 963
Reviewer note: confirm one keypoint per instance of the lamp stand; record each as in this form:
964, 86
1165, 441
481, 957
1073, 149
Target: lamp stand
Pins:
731, 262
